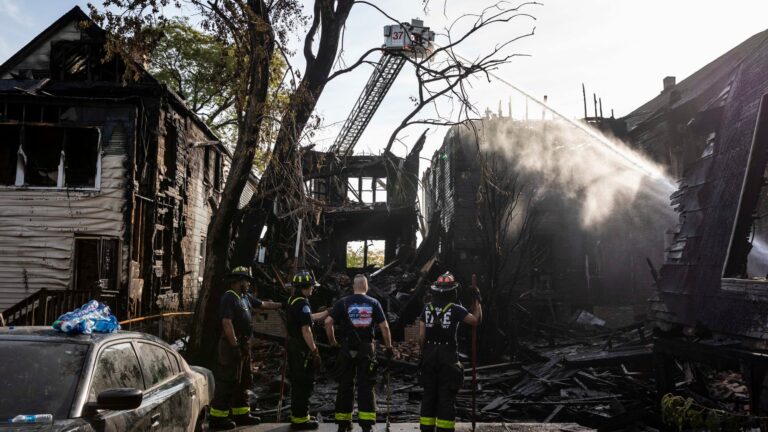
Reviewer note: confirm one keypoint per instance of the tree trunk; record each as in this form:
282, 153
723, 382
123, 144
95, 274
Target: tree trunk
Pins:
293, 122
205, 329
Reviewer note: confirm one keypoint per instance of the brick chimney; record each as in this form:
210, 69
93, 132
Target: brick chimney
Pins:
669, 82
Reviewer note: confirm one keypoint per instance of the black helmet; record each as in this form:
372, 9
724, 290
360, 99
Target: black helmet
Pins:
445, 283
304, 279
241, 272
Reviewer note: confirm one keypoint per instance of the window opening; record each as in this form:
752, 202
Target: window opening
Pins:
10, 139
96, 263
50, 156
353, 189
170, 152
748, 251
366, 253
43, 151
81, 150
380, 190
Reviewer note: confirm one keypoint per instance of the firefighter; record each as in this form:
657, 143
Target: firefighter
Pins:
229, 407
303, 357
357, 316
441, 372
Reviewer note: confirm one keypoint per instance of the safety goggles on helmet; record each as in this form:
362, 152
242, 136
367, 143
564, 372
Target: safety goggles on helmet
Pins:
303, 279
444, 283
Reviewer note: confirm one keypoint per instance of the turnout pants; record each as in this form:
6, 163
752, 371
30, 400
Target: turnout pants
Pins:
233, 379
441, 376
301, 374
356, 365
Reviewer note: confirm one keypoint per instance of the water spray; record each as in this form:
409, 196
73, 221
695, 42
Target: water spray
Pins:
627, 158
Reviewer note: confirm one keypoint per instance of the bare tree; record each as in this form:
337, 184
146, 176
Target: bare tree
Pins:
258, 30
443, 79
507, 217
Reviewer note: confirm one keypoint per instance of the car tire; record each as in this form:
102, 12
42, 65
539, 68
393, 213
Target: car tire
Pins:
201, 425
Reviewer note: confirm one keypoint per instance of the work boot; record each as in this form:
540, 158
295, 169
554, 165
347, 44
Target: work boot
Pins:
345, 427
221, 423
308, 425
246, 420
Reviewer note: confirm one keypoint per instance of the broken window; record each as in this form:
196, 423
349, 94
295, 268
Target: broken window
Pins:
81, 153
96, 263
170, 152
51, 156
748, 252
10, 139
81, 60
367, 190
42, 150
366, 253
380, 190
317, 188
353, 189
212, 168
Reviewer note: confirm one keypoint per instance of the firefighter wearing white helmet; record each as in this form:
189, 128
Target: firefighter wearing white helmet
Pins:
230, 407
441, 372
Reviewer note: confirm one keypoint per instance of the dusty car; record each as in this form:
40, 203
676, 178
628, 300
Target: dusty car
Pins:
122, 381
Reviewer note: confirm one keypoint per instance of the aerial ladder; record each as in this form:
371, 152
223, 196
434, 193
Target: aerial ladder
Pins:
402, 41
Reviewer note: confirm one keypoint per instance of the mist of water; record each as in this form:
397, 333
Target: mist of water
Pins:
602, 176
601, 172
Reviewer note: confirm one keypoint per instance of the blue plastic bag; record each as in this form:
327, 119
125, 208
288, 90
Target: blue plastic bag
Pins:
91, 317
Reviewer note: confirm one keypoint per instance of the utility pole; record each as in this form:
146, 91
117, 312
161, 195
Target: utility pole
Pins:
584, 93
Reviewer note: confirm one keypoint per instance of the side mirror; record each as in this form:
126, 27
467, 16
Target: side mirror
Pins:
119, 399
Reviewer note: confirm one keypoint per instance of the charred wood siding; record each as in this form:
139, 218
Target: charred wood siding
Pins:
38, 227
690, 288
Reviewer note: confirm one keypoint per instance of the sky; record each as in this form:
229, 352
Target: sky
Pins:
619, 49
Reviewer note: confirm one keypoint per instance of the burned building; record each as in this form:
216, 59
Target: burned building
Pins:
107, 188
491, 217
368, 213
711, 290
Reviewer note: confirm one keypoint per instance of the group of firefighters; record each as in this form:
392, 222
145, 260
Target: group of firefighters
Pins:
356, 316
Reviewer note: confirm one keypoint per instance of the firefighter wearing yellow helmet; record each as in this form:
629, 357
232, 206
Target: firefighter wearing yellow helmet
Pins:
229, 407
303, 356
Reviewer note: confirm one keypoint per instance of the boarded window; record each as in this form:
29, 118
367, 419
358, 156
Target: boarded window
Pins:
81, 150
10, 139
42, 147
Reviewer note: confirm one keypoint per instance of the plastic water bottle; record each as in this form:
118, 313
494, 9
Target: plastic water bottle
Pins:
37, 418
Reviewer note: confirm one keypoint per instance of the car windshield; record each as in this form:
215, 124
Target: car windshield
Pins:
39, 377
